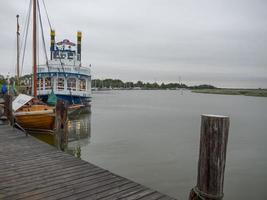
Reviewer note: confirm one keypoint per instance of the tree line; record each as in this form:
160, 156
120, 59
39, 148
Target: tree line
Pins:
117, 83
24, 80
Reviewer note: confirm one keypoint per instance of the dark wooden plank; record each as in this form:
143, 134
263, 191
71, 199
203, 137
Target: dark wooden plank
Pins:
67, 184
48, 178
54, 184
41, 169
88, 187
33, 155
35, 162
152, 196
137, 195
166, 198
115, 193
25, 170
30, 169
33, 165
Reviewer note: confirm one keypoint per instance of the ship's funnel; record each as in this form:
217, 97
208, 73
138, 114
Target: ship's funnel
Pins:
79, 40
52, 43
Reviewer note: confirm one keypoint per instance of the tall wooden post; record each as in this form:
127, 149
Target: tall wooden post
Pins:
61, 124
34, 47
8, 109
18, 35
212, 156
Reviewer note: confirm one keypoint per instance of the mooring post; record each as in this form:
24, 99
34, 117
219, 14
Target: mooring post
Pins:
8, 112
61, 125
212, 156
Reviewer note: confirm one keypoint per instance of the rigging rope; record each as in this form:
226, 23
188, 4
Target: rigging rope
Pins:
43, 41
25, 35
42, 34
47, 15
25, 25
45, 48
44, 45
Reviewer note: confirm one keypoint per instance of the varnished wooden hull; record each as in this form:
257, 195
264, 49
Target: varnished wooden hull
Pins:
36, 120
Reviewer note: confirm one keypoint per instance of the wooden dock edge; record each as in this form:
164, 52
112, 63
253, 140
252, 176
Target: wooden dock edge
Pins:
32, 169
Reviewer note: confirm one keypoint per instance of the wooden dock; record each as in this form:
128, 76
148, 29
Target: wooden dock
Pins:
31, 169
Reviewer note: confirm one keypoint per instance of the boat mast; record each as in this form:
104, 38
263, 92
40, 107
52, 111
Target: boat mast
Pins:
18, 34
34, 51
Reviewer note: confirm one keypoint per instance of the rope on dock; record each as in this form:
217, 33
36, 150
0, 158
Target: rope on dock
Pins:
22, 129
203, 196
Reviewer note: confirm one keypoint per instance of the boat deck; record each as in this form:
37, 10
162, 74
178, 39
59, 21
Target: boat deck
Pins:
31, 169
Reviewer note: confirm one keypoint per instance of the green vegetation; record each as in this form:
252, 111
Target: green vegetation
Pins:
247, 92
119, 84
205, 88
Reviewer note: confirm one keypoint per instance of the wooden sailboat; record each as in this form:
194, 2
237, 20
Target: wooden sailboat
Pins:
33, 115
29, 112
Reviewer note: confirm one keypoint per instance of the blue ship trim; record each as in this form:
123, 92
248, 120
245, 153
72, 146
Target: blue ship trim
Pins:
71, 99
40, 74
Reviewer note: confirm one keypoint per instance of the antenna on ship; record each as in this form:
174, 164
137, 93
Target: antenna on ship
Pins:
52, 42
79, 40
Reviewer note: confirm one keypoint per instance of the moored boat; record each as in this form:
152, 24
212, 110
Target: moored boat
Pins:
31, 114
36, 120
64, 75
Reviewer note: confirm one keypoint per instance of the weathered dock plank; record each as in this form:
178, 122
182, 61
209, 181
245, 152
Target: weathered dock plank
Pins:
31, 169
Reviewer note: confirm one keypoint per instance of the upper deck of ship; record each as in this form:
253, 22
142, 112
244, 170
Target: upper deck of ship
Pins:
65, 58
64, 72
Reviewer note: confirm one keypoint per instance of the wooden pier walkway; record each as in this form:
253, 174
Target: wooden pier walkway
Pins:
31, 169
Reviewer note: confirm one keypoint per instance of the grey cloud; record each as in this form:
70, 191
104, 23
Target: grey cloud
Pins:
209, 40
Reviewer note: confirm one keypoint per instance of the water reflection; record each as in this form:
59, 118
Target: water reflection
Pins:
79, 128
79, 133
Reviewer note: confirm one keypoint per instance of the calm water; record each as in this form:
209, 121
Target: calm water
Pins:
152, 137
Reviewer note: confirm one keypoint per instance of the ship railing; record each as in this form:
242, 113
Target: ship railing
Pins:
48, 87
82, 89
65, 92
74, 93
72, 88
60, 87
67, 67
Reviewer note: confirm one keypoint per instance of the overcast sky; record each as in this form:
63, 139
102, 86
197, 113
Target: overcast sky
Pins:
219, 42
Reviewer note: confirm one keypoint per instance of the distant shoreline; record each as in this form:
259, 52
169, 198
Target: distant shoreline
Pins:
227, 91
222, 91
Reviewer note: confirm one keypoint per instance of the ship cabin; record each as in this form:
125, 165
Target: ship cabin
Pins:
64, 74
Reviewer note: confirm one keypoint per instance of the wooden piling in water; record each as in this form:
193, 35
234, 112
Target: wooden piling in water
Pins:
8, 112
61, 125
212, 156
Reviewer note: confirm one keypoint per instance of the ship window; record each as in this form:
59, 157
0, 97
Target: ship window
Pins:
60, 83
82, 84
48, 83
40, 83
71, 83
70, 55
